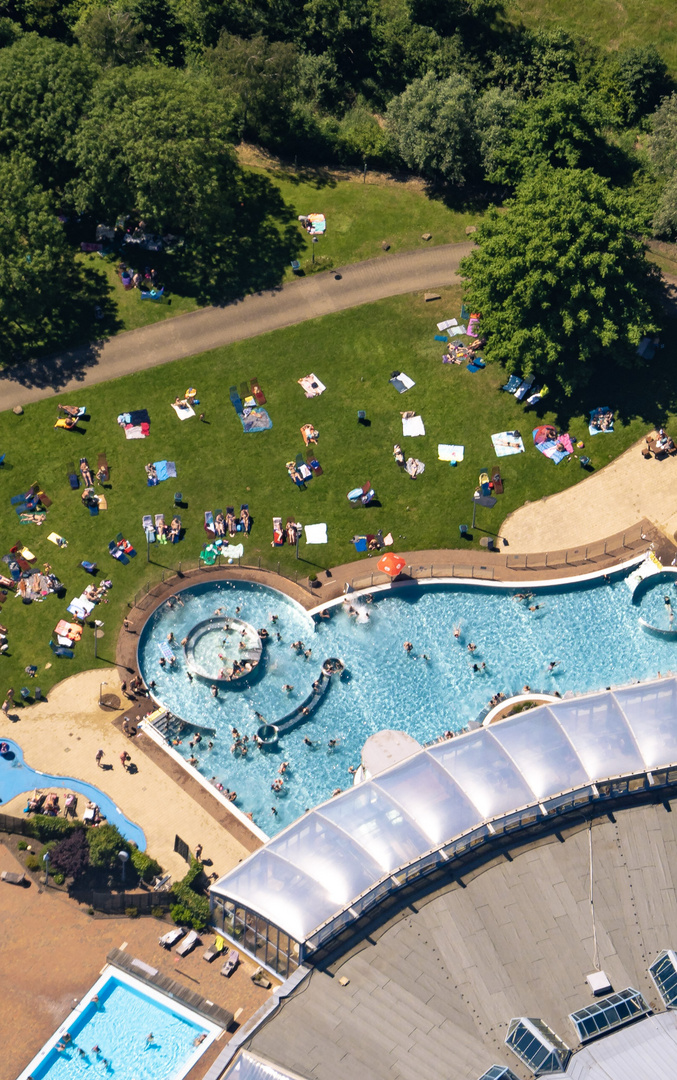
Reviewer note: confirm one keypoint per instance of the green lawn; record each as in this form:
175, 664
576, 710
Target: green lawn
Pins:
611, 24
360, 217
218, 464
130, 310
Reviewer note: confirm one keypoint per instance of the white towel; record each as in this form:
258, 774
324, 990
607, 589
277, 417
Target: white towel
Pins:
316, 534
406, 381
233, 551
312, 385
450, 452
447, 323
184, 412
412, 425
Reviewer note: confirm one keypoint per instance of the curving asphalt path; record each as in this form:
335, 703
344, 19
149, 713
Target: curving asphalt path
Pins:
210, 328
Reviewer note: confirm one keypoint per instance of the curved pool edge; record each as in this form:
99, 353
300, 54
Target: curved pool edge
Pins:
81, 787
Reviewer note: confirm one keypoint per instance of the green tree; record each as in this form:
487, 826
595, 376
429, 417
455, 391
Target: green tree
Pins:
40, 284
663, 141
260, 76
557, 129
155, 146
111, 37
495, 116
563, 287
44, 88
432, 125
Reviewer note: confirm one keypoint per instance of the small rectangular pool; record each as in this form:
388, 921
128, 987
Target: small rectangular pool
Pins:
109, 1038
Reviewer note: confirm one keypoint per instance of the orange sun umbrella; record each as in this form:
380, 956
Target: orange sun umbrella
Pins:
391, 564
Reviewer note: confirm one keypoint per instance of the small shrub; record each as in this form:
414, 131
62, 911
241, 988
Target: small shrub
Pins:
158, 912
71, 855
181, 915
145, 867
90, 910
132, 912
22, 845
50, 828
59, 878
104, 844
32, 862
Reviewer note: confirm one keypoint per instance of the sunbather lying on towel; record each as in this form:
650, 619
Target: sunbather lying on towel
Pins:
219, 525
180, 403
397, 454
86, 472
70, 410
477, 344
151, 471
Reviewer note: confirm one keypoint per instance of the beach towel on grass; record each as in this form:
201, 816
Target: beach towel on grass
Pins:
232, 551
318, 223
58, 540
593, 416
450, 452
312, 385
141, 431
454, 331
255, 420
412, 426
447, 323
164, 470
402, 382
550, 449
513, 383
316, 534
507, 443
184, 412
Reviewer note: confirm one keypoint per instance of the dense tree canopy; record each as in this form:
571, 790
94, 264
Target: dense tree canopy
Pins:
562, 286
432, 123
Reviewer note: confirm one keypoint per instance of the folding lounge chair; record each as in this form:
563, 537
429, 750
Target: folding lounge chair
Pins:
209, 522
314, 466
513, 383
235, 400
244, 390
73, 478
172, 936
90, 567
231, 963
44, 499
214, 950
117, 553
61, 650
497, 481
188, 943
257, 392
299, 461
147, 523
278, 533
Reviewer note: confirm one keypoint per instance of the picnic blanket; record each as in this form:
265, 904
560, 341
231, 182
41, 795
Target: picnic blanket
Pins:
507, 443
256, 419
450, 452
312, 385
412, 426
447, 323
58, 540
136, 424
556, 449
184, 412
454, 331
318, 223
594, 415
164, 470
401, 382
81, 607
316, 534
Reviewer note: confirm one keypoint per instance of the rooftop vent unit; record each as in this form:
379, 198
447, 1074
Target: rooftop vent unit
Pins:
663, 971
609, 1013
498, 1072
537, 1046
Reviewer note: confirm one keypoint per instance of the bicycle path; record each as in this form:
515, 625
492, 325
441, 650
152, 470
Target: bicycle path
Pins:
213, 327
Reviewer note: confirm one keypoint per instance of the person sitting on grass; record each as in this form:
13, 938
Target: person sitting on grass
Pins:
219, 525
176, 526
151, 471
161, 528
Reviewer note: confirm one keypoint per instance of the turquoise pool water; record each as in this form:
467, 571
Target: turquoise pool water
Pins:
17, 778
591, 630
119, 1025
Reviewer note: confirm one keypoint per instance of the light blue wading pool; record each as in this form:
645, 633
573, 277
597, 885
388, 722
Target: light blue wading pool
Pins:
590, 630
113, 1036
16, 777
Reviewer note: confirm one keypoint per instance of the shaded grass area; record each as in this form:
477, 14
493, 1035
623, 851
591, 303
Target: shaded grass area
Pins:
354, 354
611, 24
128, 310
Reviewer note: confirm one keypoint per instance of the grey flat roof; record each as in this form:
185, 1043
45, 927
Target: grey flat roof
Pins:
646, 1050
432, 992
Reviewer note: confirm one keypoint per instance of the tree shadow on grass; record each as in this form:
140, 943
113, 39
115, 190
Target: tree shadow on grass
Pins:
89, 318
313, 176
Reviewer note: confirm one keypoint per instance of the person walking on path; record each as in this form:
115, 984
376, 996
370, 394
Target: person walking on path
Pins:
124, 758
99, 755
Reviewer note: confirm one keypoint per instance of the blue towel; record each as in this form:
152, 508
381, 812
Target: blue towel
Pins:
361, 544
472, 368
441, 337
164, 470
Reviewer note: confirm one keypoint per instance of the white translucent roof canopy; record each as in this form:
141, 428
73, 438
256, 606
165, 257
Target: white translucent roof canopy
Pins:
324, 861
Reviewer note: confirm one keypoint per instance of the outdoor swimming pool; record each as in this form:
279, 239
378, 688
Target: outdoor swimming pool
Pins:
17, 778
591, 630
119, 1025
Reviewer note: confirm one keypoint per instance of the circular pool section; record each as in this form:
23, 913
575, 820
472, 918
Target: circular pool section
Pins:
225, 651
591, 631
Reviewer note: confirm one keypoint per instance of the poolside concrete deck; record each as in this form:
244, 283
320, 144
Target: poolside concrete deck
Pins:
52, 952
61, 736
623, 492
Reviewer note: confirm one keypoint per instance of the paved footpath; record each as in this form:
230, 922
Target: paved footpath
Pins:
197, 332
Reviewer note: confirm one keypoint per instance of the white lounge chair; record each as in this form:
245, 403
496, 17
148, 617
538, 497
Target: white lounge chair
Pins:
172, 936
189, 943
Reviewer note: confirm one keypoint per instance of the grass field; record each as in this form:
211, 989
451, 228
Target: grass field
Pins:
218, 465
611, 24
